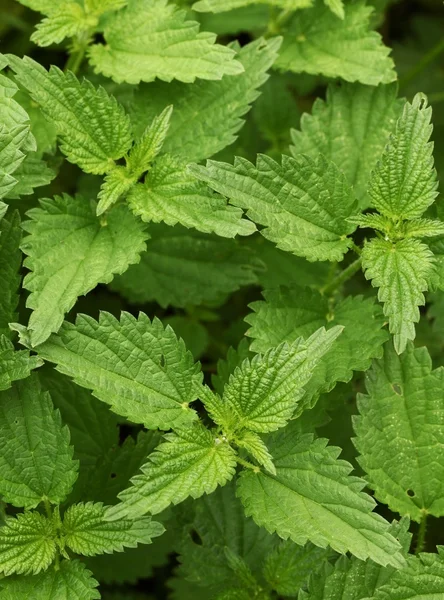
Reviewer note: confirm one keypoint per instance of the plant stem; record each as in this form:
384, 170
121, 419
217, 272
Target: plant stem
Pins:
276, 25
423, 63
344, 276
247, 464
420, 542
75, 59
47, 506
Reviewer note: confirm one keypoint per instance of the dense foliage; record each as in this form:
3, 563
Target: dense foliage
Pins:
221, 300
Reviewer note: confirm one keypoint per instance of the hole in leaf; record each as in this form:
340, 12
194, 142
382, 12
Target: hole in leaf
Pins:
196, 537
162, 361
410, 493
113, 475
397, 389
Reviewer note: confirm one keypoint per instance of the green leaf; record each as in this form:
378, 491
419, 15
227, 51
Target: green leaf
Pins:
288, 567
10, 263
172, 195
303, 203
151, 38
208, 114
86, 532
218, 6
397, 440
217, 523
94, 129
317, 42
72, 581
423, 579
33, 172
401, 271
69, 252
262, 394
404, 182
254, 445
121, 179
354, 579
337, 7
337, 130
14, 365
191, 462
226, 366
69, 19
136, 366
35, 456
313, 498
27, 544
183, 267
289, 313
11, 158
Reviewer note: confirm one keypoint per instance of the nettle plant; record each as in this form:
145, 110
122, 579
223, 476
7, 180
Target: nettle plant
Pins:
118, 449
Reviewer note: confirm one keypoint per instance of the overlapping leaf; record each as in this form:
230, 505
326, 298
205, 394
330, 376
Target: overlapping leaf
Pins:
400, 430
317, 42
151, 38
10, 262
289, 313
303, 203
69, 252
14, 365
35, 456
208, 114
314, 498
172, 195
136, 366
336, 128
86, 532
94, 129
182, 267
72, 581
191, 462
262, 394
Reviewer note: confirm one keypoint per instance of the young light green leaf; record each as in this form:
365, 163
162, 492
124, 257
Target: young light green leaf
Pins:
218, 6
354, 579
337, 7
404, 182
423, 579
337, 130
262, 394
208, 114
72, 581
94, 129
121, 179
252, 443
313, 498
191, 462
182, 267
154, 378
35, 456
289, 313
69, 252
401, 271
86, 532
27, 544
150, 144
397, 441
303, 203
151, 38
69, 19
10, 263
317, 42
14, 365
172, 195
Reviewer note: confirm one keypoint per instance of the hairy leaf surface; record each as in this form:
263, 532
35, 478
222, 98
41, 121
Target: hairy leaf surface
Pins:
136, 366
